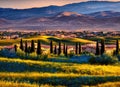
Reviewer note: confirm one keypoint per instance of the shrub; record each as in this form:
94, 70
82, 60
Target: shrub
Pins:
88, 54
85, 53
42, 57
20, 53
71, 54
31, 56
8, 53
115, 54
118, 56
103, 59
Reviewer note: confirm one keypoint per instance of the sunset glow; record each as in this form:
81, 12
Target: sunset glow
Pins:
21, 4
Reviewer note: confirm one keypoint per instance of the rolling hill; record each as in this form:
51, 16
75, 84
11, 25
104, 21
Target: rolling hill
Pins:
45, 40
105, 14
105, 20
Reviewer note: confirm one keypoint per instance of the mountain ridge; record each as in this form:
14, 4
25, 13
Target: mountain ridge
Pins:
81, 8
61, 5
64, 22
90, 15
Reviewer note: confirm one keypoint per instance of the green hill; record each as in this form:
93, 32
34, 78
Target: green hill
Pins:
45, 40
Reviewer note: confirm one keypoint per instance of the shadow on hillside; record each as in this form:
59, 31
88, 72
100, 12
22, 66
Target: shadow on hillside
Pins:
24, 67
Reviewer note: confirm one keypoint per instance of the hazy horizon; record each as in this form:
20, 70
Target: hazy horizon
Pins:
24, 4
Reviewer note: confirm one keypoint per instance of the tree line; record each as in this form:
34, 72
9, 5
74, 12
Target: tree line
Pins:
57, 49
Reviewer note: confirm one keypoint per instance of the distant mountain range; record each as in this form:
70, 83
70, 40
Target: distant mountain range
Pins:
105, 14
97, 15
81, 8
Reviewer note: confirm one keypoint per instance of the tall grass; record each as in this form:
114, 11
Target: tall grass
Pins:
16, 84
56, 73
107, 84
19, 65
70, 80
23, 84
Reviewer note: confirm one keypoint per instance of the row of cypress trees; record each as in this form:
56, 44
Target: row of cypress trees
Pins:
31, 48
54, 50
100, 51
78, 48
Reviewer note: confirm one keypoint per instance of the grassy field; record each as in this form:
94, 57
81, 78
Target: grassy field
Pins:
17, 84
25, 84
55, 71
47, 39
108, 40
50, 74
44, 40
107, 84
52, 67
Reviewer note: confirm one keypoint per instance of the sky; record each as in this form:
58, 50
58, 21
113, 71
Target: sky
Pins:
22, 4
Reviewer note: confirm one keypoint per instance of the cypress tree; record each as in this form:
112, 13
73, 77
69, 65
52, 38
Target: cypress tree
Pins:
55, 50
21, 45
66, 51
32, 46
39, 51
51, 46
102, 46
80, 48
117, 47
15, 47
97, 48
59, 50
26, 47
64, 48
76, 48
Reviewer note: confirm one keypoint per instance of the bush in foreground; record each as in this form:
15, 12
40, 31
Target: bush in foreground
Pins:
32, 56
118, 56
103, 59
